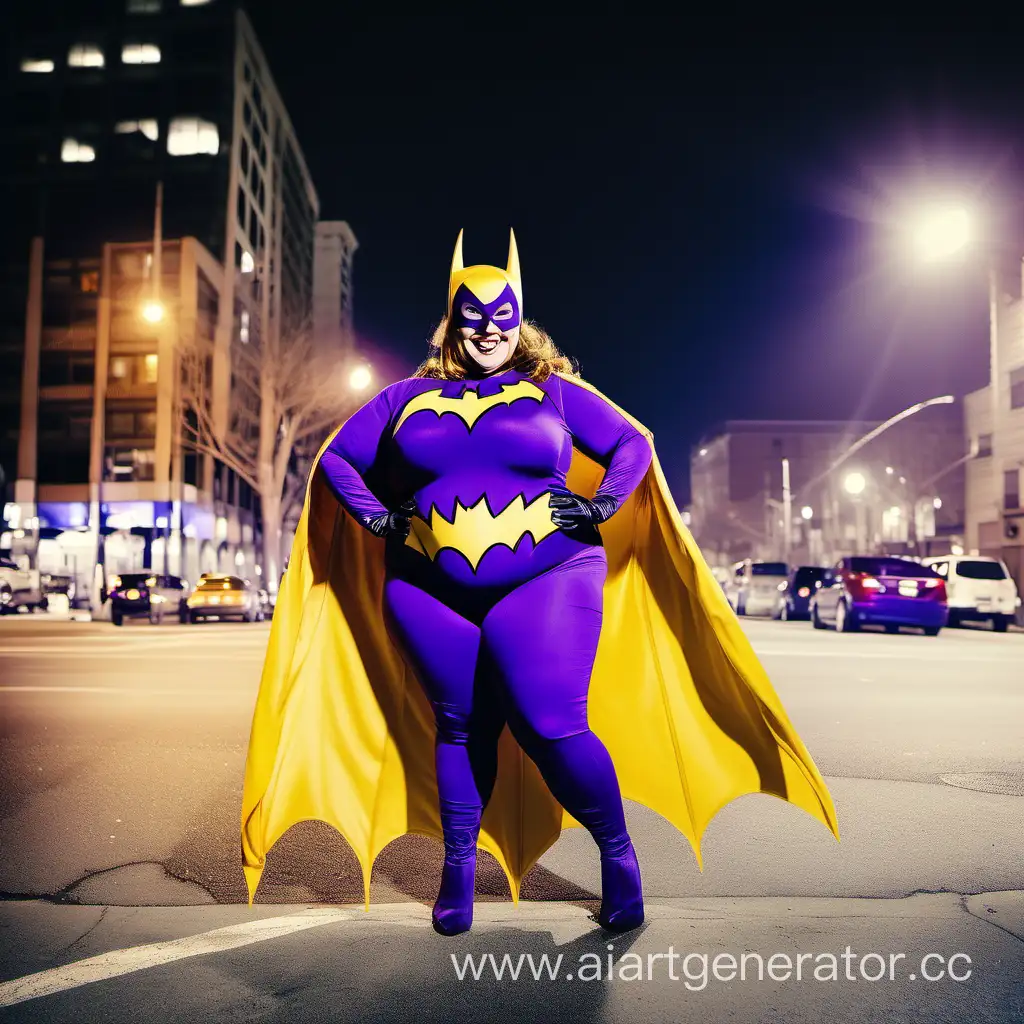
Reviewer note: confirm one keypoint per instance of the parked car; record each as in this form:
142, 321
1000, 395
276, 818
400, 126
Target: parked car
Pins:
978, 589
225, 597
883, 590
146, 595
753, 588
20, 587
793, 600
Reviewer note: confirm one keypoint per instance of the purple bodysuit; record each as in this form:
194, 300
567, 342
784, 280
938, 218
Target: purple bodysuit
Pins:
497, 610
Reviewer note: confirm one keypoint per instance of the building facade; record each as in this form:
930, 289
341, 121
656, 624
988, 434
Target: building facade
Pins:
332, 288
902, 493
115, 485
138, 121
994, 426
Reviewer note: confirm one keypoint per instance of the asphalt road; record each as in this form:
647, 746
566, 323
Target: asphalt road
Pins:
121, 760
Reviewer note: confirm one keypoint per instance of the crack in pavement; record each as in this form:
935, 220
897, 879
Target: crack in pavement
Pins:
71, 945
65, 895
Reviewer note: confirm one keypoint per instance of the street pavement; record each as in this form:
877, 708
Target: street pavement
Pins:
121, 760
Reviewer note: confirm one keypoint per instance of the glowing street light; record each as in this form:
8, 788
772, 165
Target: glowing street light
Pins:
942, 232
854, 483
360, 378
807, 512
153, 312
937, 503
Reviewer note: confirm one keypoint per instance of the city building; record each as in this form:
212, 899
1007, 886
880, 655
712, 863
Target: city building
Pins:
115, 483
902, 493
994, 425
152, 163
332, 288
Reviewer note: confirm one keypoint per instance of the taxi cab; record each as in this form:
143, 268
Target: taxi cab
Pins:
224, 597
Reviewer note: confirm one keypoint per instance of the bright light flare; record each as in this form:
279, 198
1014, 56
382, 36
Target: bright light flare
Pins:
854, 483
360, 378
941, 233
153, 312
807, 512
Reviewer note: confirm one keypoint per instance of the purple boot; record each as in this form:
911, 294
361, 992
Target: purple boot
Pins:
453, 911
622, 903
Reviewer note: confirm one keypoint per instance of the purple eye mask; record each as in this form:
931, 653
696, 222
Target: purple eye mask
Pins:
488, 309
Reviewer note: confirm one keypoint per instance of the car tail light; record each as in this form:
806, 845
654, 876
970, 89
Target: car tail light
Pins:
862, 586
803, 592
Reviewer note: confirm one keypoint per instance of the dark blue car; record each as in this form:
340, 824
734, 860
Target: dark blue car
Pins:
795, 593
880, 590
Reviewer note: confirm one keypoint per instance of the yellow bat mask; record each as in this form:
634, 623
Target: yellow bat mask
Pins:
482, 293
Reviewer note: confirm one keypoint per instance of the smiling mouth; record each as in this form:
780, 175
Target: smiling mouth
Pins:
485, 346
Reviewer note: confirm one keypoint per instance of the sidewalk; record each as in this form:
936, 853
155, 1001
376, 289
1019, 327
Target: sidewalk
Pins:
859, 959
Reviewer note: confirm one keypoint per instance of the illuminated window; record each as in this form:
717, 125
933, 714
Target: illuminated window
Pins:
248, 264
140, 53
74, 152
147, 126
187, 136
150, 364
118, 369
85, 55
37, 67
144, 6
194, 3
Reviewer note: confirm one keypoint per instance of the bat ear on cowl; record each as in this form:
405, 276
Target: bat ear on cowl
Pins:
513, 257
457, 262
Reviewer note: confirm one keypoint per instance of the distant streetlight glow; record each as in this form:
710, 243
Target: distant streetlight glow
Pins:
937, 503
889, 470
360, 378
703, 452
855, 483
807, 512
942, 232
153, 312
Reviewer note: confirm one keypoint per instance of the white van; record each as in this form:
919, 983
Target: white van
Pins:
978, 589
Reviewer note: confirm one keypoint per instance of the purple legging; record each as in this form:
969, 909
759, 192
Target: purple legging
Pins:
527, 662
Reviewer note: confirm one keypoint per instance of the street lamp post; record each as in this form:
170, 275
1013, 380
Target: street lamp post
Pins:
787, 512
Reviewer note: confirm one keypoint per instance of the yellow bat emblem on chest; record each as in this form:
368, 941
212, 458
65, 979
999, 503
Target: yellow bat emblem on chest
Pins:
469, 405
475, 529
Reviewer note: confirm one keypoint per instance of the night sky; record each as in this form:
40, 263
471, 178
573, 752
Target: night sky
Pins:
706, 216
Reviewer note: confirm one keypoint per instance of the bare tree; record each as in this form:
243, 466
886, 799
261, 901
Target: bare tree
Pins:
284, 397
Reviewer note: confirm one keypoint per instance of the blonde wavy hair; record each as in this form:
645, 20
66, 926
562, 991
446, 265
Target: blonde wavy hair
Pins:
536, 355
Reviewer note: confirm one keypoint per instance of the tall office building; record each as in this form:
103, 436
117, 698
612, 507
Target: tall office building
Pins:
108, 100
332, 288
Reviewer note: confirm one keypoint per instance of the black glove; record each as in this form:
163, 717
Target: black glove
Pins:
573, 511
393, 523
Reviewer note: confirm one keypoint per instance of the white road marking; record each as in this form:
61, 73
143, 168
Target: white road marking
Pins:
139, 691
139, 958
564, 923
854, 654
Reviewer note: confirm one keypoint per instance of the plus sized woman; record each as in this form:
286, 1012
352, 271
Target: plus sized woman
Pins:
496, 487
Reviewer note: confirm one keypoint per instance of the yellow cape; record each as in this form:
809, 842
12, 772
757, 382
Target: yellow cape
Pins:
342, 732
